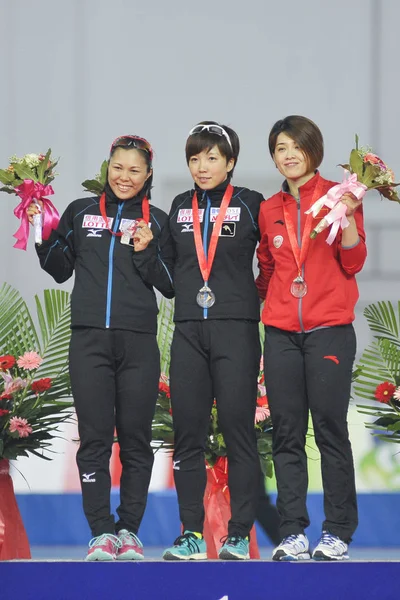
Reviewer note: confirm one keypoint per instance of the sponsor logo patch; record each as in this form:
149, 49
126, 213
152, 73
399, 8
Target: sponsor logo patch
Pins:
187, 228
185, 215
278, 241
94, 233
228, 230
88, 477
232, 213
96, 222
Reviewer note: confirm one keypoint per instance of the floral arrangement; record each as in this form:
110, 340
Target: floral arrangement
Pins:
365, 171
34, 379
29, 178
377, 375
96, 186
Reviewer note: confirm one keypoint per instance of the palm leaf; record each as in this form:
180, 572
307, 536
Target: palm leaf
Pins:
17, 330
54, 321
379, 362
384, 320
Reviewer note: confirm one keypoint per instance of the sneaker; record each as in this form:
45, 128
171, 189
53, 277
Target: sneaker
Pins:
235, 547
330, 547
131, 547
292, 547
103, 547
187, 547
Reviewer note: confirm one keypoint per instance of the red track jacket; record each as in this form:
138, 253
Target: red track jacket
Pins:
329, 271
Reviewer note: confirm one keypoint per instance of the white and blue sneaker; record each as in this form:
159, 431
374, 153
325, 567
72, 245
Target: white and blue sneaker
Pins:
330, 547
292, 547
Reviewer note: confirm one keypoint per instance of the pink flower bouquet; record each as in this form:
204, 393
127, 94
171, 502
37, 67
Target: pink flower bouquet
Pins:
365, 171
29, 178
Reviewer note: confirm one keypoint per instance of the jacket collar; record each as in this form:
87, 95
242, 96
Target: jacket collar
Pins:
215, 195
305, 189
111, 198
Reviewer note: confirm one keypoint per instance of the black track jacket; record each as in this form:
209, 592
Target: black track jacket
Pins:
232, 278
113, 284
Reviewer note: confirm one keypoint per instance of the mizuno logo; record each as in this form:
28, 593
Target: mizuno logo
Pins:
88, 477
94, 233
187, 227
176, 465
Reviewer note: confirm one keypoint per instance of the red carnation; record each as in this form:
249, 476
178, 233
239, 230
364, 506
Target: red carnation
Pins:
6, 397
262, 401
384, 392
41, 385
163, 387
3, 411
6, 362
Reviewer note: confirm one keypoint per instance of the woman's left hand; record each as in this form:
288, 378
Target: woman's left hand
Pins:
352, 203
142, 236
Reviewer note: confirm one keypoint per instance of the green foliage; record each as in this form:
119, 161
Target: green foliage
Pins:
96, 186
380, 366
37, 167
46, 409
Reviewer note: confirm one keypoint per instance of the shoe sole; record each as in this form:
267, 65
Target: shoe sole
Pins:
170, 556
323, 557
130, 555
99, 555
292, 557
228, 555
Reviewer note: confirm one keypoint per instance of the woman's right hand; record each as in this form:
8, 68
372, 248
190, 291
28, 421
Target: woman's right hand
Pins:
33, 210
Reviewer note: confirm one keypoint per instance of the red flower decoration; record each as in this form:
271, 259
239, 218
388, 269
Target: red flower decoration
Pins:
6, 362
262, 401
3, 411
6, 397
164, 388
384, 392
41, 385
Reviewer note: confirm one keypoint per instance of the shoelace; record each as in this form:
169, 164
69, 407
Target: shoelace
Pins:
232, 540
330, 540
129, 538
289, 539
189, 540
294, 541
102, 539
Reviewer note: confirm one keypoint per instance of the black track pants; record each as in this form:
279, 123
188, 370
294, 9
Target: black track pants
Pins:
114, 378
312, 372
215, 359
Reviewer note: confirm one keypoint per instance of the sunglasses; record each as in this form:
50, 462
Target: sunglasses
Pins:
216, 129
132, 141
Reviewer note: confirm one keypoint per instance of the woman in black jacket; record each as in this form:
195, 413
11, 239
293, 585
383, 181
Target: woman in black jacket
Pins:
112, 245
215, 350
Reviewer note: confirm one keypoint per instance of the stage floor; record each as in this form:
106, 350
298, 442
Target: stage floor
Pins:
153, 553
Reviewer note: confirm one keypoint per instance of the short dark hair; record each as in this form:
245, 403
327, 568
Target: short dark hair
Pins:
305, 133
205, 140
133, 142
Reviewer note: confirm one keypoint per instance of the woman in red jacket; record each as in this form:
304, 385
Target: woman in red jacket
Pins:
310, 292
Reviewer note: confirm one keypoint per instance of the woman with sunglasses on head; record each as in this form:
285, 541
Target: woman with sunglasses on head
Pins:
112, 244
310, 292
215, 351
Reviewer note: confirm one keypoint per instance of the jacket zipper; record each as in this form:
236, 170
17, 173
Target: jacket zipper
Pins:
205, 241
300, 309
110, 266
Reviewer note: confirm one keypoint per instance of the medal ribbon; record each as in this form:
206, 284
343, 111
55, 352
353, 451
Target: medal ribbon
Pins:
145, 212
206, 264
300, 255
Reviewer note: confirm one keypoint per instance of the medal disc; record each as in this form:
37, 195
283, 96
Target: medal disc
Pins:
205, 298
298, 289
